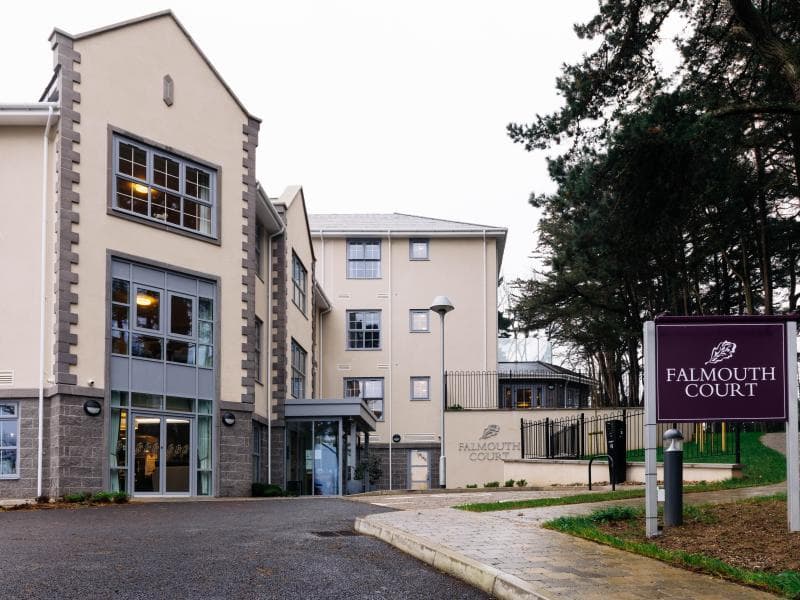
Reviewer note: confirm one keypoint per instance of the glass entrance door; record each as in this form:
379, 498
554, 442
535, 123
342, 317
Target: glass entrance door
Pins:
162, 450
313, 457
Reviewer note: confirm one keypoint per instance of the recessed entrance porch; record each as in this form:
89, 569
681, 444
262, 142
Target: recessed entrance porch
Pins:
322, 445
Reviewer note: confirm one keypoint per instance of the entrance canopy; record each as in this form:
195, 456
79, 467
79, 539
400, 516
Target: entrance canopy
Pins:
323, 451
331, 408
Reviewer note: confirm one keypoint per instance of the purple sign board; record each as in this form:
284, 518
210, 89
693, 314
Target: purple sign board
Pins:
725, 369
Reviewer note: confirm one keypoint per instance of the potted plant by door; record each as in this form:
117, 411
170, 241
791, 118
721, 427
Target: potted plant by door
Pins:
368, 470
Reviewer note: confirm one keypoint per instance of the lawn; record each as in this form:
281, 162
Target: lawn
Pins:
762, 466
746, 542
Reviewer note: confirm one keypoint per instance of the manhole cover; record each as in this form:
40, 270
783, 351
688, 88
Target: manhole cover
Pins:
340, 533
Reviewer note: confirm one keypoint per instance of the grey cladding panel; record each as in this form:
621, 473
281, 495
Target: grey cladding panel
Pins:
176, 283
205, 384
120, 269
148, 276
181, 381
119, 373
147, 376
205, 289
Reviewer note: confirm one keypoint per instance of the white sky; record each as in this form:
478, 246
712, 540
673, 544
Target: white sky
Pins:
372, 106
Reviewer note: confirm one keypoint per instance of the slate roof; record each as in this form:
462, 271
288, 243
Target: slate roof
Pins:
537, 367
395, 222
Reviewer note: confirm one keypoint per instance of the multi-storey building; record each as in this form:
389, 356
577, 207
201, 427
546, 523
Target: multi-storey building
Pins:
165, 328
381, 342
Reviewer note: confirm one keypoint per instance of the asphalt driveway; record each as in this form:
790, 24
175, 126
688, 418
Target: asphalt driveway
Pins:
282, 548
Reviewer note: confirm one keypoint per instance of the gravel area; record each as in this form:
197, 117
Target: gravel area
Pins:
263, 549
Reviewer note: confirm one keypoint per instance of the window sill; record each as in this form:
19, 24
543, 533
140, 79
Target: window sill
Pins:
419, 331
302, 312
10, 477
420, 399
363, 349
121, 214
419, 259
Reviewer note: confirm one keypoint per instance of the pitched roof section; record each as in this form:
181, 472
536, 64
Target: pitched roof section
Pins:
150, 17
394, 222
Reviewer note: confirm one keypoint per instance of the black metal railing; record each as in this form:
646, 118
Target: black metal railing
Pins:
581, 437
524, 390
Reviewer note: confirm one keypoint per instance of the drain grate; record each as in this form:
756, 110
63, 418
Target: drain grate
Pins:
340, 533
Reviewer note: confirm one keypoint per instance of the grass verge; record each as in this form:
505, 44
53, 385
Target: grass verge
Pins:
762, 466
786, 583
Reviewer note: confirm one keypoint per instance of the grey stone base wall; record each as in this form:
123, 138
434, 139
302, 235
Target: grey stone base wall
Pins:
235, 464
278, 455
401, 463
77, 464
73, 449
25, 486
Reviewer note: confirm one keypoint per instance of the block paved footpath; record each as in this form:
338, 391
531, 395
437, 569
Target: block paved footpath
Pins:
509, 555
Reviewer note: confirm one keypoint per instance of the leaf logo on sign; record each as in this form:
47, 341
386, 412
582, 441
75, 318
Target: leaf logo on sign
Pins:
722, 351
490, 431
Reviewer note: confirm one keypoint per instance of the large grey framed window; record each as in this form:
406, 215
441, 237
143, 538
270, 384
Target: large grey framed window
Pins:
363, 330
298, 370
299, 283
259, 333
159, 186
9, 440
369, 389
162, 333
363, 259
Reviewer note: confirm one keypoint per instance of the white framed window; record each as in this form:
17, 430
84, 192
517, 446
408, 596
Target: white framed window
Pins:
419, 249
370, 389
299, 280
419, 320
363, 259
298, 371
9, 440
420, 388
363, 330
159, 186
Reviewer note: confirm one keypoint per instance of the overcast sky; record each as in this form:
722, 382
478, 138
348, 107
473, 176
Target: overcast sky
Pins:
372, 106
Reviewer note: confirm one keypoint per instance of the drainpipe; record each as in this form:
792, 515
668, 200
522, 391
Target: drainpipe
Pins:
485, 333
42, 283
269, 346
391, 367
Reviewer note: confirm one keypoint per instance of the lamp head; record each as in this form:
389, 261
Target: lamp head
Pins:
442, 305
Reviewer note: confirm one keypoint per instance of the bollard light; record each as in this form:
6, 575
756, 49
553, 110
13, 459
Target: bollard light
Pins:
674, 438
673, 477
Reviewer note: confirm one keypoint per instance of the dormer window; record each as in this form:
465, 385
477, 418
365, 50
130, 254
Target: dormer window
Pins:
162, 187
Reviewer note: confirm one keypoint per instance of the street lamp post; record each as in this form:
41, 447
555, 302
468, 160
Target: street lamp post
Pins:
442, 305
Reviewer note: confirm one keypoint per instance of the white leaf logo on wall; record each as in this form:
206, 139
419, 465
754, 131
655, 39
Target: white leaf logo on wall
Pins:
722, 351
490, 431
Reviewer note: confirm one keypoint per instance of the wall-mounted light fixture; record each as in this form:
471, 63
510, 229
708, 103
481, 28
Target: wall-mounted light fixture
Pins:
92, 408
228, 419
396, 438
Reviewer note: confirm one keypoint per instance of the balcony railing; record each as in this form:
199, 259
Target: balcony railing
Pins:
524, 390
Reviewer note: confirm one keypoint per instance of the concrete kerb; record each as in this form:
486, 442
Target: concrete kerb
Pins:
484, 577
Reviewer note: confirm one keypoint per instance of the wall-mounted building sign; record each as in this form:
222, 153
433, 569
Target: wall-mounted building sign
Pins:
726, 368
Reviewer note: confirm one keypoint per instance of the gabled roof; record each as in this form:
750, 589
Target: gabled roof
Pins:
538, 368
394, 222
401, 224
150, 17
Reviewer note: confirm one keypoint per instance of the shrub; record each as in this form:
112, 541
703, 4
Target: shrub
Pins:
522, 483
509, 483
119, 497
455, 407
371, 467
492, 484
77, 497
613, 513
102, 497
472, 485
266, 490
42, 499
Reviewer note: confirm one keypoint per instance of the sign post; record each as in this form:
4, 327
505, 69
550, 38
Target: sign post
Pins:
700, 369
